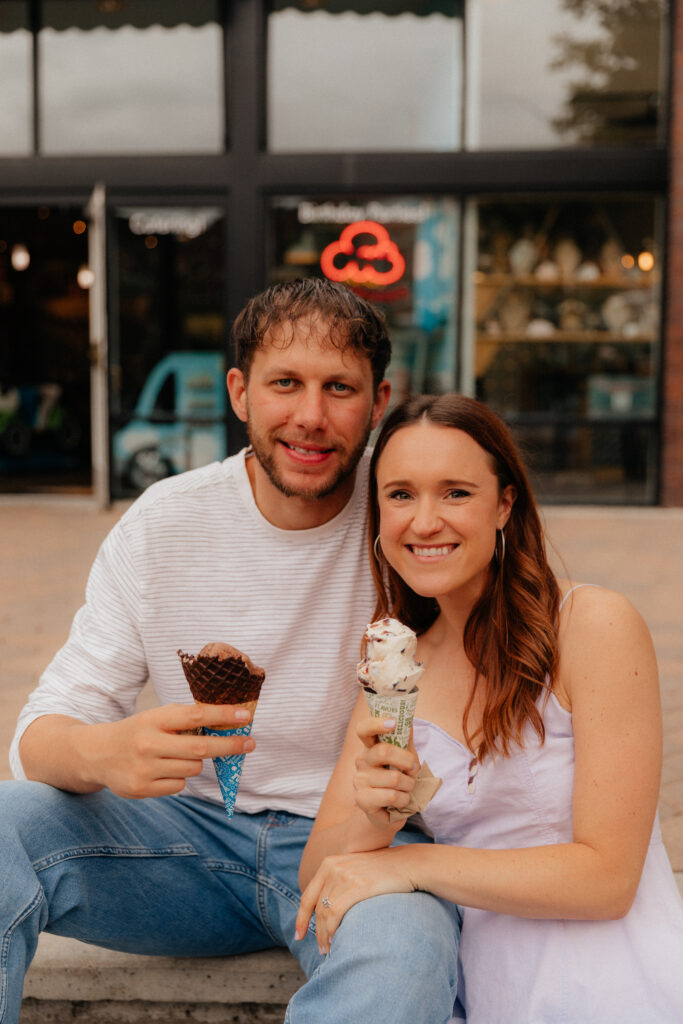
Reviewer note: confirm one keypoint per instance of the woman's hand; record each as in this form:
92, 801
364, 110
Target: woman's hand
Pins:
342, 881
384, 773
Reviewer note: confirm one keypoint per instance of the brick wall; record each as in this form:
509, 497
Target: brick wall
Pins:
672, 397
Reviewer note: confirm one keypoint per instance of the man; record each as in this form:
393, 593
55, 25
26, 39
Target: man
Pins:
120, 838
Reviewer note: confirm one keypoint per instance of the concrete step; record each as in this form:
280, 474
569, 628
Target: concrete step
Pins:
69, 980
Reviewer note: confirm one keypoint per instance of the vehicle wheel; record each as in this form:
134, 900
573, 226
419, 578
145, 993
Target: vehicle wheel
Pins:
16, 437
146, 467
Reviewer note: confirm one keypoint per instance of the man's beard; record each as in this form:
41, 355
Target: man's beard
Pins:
346, 467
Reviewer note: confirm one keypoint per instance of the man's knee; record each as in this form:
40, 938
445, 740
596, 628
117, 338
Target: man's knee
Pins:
32, 811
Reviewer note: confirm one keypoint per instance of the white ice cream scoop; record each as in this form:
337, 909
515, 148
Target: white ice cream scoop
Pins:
389, 664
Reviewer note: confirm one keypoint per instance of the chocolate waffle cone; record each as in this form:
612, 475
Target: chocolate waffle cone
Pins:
220, 674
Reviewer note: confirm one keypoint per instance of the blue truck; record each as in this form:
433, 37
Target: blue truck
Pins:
178, 422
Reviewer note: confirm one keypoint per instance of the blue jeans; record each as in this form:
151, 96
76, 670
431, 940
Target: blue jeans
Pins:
174, 876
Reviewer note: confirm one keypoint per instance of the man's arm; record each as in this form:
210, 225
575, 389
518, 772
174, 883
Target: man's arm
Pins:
79, 730
139, 756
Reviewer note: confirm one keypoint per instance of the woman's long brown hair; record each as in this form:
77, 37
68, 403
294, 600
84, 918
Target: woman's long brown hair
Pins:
511, 635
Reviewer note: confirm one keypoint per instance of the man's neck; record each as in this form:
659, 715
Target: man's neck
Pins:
295, 512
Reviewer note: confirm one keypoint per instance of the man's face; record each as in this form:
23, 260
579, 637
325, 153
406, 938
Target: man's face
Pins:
309, 410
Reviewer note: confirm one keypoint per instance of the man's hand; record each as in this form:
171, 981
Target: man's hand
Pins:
151, 753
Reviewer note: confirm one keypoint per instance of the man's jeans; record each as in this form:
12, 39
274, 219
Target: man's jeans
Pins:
175, 876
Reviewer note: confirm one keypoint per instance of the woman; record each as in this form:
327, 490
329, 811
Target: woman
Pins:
539, 708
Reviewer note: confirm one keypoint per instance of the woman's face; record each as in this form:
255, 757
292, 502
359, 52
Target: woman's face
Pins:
440, 506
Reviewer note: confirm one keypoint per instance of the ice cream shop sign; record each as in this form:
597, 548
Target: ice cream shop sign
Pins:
364, 254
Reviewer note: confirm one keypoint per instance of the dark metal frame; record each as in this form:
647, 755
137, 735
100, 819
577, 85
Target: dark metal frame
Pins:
246, 175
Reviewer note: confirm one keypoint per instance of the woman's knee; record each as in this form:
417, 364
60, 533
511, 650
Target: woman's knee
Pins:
415, 925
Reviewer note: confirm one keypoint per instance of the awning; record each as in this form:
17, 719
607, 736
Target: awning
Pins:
89, 14
422, 8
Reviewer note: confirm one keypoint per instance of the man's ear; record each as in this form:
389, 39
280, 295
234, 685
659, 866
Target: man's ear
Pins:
237, 389
381, 402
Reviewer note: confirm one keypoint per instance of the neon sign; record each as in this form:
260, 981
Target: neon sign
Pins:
354, 260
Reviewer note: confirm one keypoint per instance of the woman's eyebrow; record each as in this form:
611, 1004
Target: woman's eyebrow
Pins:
440, 483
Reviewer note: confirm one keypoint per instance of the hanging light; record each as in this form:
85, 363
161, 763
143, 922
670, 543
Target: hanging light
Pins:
646, 260
85, 277
20, 257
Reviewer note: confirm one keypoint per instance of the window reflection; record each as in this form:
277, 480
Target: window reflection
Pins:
413, 280
145, 77
15, 80
382, 75
547, 73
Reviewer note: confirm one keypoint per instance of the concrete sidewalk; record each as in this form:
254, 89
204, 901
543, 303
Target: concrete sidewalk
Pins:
48, 545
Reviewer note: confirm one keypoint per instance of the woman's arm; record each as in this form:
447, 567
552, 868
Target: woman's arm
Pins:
608, 673
352, 816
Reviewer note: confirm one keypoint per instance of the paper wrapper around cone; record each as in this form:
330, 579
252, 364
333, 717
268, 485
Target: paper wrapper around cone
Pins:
401, 706
221, 679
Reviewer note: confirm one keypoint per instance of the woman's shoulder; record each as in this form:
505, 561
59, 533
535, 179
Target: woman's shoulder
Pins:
582, 602
599, 625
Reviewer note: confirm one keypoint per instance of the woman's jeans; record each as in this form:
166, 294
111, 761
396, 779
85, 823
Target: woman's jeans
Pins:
174, 876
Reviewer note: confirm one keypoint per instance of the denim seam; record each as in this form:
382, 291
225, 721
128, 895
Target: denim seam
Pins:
255, 876
263, 881
4, 950
112, 851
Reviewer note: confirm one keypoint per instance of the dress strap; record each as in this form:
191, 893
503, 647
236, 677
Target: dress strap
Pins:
577, 586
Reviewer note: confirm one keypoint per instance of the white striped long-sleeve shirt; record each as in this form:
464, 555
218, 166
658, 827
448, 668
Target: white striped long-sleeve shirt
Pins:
193, 561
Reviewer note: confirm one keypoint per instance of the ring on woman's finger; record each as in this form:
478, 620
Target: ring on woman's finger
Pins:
326, 902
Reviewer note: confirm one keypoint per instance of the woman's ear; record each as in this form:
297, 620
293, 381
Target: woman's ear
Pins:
505, 503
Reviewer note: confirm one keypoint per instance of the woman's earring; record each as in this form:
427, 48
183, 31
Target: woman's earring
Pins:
500, 558
377, 551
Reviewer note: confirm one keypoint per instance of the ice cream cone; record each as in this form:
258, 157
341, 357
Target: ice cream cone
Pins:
220, 674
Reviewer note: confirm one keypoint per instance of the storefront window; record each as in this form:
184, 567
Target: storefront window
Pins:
16, 137
167, 344
545, 73
44, 365
565, 336
364, 75
139, 77
411, 278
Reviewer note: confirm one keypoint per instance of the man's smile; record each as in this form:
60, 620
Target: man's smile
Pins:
308, 453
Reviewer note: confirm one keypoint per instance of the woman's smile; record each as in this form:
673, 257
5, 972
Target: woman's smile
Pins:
431, 552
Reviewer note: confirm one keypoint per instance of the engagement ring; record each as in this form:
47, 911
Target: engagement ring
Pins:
326, 902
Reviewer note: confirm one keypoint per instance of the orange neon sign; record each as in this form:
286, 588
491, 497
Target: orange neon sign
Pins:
346, 260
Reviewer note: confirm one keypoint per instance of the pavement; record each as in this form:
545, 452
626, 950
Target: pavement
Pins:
48, 544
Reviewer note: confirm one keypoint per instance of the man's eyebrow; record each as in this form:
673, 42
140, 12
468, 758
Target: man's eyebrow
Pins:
345, 375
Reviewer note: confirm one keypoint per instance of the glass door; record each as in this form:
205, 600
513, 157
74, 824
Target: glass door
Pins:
167, 343
44, 350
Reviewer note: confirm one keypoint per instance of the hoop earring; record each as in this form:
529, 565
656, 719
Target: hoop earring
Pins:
500, 558
378, 554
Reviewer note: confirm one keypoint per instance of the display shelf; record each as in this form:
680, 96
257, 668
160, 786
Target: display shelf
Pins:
559, 336
602, 283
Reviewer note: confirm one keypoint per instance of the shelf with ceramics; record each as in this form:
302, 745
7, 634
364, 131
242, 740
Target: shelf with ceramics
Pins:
529, 293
